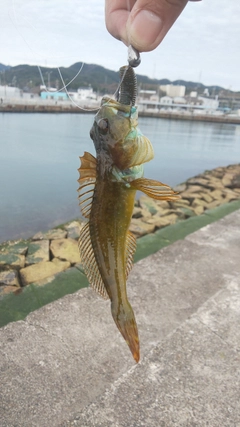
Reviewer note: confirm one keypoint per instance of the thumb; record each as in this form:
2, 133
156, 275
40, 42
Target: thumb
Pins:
149, 22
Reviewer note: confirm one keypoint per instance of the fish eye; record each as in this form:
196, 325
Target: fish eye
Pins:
103, 126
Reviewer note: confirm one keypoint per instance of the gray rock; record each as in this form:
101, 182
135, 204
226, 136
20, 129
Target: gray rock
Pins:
18, 248
180, 188
14, 260
38, 251
73, 229
9, 278
163, 204
137, 212
56, 233
37, 272
216, 194
187, 212
230, 194
66, 249
180, 203
140, 228
38, 236
148, 204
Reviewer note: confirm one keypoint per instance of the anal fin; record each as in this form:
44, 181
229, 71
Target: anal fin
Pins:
155, 189
89, 263
130, 250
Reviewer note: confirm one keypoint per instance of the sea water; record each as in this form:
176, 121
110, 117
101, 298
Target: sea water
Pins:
39, 158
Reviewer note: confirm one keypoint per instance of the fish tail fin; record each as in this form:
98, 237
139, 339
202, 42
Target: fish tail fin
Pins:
126, 323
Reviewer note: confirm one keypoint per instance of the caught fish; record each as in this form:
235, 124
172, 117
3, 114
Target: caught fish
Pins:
108, 185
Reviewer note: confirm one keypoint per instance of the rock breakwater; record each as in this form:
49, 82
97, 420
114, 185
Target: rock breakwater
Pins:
39, 259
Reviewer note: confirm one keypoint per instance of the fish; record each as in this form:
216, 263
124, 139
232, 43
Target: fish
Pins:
107, 188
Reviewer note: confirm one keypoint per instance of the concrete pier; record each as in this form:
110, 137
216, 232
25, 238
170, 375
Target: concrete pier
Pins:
67, 365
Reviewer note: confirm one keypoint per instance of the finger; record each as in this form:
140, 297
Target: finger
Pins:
149, 22
116, 15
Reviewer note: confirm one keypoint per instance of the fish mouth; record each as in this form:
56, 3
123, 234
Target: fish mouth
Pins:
127, 91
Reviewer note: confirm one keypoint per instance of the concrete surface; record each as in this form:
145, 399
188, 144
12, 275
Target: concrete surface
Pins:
67, 365
190, 379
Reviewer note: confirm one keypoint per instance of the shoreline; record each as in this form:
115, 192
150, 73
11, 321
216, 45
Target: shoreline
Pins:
46, 255
62, 109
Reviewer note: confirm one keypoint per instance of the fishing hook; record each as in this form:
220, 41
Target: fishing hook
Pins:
134, 58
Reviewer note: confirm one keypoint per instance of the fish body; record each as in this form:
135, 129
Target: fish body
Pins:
109, 223
108, 185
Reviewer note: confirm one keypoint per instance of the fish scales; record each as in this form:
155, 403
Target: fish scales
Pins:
108, 185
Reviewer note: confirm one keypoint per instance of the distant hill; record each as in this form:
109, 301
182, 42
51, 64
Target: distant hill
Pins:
4, 67
101, 79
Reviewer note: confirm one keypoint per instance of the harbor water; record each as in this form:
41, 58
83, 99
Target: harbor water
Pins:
39, 158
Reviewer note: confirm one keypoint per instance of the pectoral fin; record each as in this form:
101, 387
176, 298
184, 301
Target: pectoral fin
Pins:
155, 189
87, 179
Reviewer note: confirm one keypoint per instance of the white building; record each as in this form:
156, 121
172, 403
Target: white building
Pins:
173, 90
147, 94
166, 100
209, 103
193, 94
84, 94
10, 92
179, 100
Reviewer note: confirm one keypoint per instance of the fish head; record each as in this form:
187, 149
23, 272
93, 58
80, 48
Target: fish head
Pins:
115, 131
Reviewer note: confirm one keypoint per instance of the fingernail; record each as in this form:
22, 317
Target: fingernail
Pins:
144, 29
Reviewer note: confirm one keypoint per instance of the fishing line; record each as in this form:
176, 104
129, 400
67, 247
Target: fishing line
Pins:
95, 109
64, 87
115, 93
16, 24
68, 94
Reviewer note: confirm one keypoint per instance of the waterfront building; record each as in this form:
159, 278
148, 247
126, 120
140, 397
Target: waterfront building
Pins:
173, 90
83, 94
193, 94
10, 92
186, 104
179, 100
54, 95
209, 103
166, 100
147, 94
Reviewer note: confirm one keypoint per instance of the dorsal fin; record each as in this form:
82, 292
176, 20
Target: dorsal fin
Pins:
155, 189
89, 263
88, 168
87, 179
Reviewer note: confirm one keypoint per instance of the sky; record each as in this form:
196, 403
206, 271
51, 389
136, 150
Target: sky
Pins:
203, 45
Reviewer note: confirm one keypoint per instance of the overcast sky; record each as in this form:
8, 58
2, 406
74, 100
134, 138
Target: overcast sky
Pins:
203, 45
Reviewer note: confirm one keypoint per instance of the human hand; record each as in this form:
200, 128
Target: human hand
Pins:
142, 23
